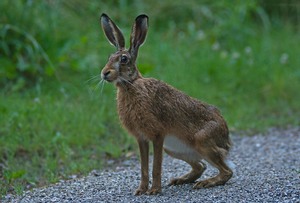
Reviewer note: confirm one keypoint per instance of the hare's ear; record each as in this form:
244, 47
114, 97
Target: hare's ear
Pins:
138, 34
112, 32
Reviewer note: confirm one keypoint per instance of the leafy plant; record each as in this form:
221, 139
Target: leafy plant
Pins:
22, 57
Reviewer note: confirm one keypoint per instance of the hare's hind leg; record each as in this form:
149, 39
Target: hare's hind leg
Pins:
198, 168
212, 144
225, 173
215, 156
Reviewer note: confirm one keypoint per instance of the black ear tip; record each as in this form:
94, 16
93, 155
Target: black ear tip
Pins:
142, 16
103, 15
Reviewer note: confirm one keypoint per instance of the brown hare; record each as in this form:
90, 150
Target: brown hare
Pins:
151, 110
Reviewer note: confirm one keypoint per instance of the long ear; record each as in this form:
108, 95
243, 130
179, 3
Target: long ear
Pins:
138, 34
112, 32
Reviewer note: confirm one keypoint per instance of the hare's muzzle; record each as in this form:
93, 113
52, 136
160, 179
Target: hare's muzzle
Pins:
105, 75
109, 74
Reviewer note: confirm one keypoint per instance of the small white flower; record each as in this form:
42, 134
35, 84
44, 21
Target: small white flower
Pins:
191, 26
284, 58
200, 35
235, 55
216, 46
248, 50
224, 54
36, 100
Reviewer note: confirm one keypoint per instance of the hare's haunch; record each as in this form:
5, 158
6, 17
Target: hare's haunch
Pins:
151, 110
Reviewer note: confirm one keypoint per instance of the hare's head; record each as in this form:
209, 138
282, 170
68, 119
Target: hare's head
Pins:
121, 66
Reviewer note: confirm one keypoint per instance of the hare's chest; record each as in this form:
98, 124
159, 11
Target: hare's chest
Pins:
136, 117
136, 112
131, 110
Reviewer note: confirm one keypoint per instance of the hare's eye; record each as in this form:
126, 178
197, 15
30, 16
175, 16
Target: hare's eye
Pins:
124, 59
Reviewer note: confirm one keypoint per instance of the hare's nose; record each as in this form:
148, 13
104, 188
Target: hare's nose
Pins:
105, 75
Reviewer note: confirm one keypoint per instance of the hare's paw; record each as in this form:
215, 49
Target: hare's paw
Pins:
154, 191
190, 177
141, 190
179, 181
204, 184
211, 182
220, 179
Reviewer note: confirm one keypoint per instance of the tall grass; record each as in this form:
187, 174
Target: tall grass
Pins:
56, 120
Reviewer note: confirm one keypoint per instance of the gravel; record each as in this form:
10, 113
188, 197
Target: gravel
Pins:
266, 169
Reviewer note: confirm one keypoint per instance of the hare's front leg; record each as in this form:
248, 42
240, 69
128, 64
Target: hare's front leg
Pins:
157, 165
144, 156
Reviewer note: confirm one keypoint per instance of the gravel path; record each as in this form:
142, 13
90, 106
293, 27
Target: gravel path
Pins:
267, 169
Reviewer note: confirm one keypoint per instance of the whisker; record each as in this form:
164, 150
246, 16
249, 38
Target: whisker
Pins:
97, 86
102, 83
93, 86
126, 81
93, 78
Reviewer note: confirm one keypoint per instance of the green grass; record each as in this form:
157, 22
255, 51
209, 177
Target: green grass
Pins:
250, 81
56, 131
65, 123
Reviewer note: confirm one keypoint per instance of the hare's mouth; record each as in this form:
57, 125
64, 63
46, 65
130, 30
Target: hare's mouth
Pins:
108, 76
108, 79
105, 79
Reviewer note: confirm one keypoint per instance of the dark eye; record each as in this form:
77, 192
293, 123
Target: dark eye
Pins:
124, 59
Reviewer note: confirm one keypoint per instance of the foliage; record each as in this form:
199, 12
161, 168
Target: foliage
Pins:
57, 118
23, 58
38, 40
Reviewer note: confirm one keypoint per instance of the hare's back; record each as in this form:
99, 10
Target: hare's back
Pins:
170, 104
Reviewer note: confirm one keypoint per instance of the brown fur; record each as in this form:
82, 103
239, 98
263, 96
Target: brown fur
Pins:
151, 110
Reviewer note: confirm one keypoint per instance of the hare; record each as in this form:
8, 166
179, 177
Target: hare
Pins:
151, 110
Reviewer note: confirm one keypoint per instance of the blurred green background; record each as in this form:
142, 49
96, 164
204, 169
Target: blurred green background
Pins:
57, 119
